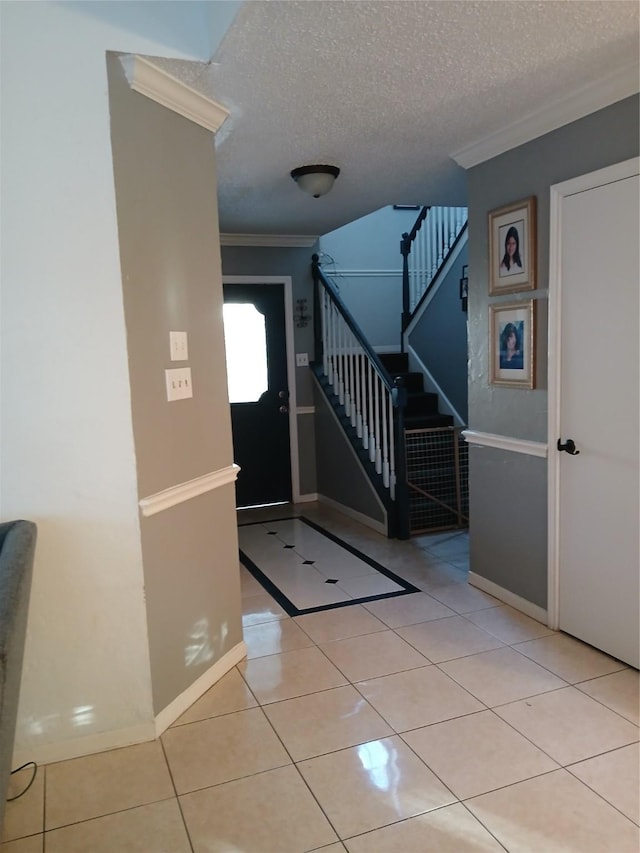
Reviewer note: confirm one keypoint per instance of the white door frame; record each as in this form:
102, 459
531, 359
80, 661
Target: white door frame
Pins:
559, 192
286, 281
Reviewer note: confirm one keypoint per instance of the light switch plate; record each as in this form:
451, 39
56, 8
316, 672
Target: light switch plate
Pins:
178, 383
302, 359
178, 346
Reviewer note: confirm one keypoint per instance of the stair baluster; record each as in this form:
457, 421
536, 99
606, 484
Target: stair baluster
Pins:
352, 374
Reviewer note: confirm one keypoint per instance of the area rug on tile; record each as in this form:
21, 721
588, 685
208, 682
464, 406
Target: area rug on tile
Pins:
307, 569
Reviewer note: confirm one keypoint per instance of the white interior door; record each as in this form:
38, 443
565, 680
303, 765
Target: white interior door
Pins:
597, 549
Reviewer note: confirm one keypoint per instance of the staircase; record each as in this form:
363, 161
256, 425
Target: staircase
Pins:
409, 450
436, 455
421, 409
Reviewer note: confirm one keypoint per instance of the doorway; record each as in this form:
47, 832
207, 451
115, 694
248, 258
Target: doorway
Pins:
593, 410
258, 340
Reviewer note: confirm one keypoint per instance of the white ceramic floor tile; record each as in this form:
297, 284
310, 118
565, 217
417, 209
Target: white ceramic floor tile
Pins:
307, 592
324, 722
555, 813
449, 546
271, 638
157, 827
372, 785
460, 597
370, 585
226, 696
248, 584
477, 753
221, 749
339, 623
299, 561
95, 785
568, 725
418, 697
508, 625
569, 658
408, 609
501, 676
290, 674
261, 608
344, 568
372, 655
616, 777
445, 639
32, 844
24, 816
451, 829
619, 691
267, 813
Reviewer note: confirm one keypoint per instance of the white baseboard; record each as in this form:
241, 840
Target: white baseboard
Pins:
78, 747
307, 499
510, 598
49, 753
199, 687
357, 516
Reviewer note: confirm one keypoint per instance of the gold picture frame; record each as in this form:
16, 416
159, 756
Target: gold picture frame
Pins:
512, 247
512, 344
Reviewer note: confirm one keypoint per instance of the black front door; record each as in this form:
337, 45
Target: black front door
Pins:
255, 341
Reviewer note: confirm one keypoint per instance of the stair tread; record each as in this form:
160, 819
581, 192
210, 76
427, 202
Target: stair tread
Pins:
427, 421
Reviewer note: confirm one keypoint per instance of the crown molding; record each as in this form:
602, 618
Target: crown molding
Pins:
149, 80
608, 90
291, 241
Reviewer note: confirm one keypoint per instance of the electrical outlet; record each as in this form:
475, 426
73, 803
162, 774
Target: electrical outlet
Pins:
178, 346
178, 383
302, 359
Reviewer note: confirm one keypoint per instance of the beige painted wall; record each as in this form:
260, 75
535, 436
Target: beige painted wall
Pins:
164, 170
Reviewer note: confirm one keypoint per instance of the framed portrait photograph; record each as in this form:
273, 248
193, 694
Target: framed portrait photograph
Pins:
512, 344
464, 288
512, 247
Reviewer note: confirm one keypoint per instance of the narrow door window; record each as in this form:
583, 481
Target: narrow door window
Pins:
245, 341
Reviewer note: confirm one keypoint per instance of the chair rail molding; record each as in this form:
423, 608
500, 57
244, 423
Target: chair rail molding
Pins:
288, 241
504, 442
182, 492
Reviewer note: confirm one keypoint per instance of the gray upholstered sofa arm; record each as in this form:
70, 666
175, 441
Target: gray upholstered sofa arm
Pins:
17, 545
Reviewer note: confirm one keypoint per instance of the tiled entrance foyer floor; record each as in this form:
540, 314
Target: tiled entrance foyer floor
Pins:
437, 721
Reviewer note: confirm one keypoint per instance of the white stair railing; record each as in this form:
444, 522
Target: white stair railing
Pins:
432, 243
360, 386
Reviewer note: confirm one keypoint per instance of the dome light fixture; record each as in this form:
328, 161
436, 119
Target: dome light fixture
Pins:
315, 180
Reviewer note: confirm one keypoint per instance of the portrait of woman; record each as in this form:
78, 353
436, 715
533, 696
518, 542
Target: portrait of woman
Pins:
511, 261
511, 353
512, 247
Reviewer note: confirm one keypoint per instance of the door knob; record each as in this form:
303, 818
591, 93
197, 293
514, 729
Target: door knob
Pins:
569, 447
283, 410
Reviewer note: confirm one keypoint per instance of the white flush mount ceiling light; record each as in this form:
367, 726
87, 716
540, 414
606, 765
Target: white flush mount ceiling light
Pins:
315, 180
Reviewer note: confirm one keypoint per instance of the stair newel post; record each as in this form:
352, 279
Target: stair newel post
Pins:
317, 301
403, 528
405, 249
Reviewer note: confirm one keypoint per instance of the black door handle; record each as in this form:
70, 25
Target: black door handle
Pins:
569, 447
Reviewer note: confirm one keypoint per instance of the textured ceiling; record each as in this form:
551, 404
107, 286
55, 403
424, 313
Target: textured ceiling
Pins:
387, 91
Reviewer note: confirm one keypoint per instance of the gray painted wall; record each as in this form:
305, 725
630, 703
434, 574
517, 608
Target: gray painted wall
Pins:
505, 492
171, 280
257, 261
440, 337
372, 245
340, 474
